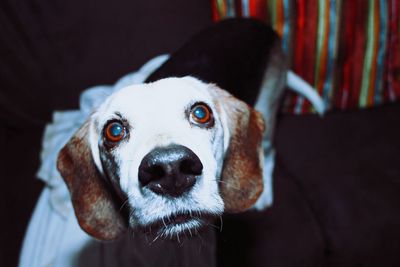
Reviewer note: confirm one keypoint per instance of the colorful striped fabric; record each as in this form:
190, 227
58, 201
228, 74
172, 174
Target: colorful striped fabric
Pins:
348, 50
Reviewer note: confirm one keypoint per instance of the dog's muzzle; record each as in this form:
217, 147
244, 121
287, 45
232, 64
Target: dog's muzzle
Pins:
170, 171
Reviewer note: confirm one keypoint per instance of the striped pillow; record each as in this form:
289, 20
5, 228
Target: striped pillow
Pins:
348, 50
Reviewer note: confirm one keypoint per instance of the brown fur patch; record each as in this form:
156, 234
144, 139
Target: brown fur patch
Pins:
93, 203
241, 179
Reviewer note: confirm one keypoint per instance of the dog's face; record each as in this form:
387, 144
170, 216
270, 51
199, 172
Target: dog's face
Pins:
168, 153
175, 152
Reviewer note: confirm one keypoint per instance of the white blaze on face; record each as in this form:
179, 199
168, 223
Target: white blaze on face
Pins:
158, 115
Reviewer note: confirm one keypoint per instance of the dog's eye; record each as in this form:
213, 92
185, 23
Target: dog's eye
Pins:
201, 114
114, 132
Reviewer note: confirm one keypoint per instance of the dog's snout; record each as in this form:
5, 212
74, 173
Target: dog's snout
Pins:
170, 170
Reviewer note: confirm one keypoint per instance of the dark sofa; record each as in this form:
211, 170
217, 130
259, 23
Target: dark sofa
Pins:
336, 184
337, 179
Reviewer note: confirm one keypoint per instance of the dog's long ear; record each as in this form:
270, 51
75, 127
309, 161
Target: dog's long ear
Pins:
242, 174
93, 203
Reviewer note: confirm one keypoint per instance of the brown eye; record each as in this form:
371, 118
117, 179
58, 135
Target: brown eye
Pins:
201, 114
114, 132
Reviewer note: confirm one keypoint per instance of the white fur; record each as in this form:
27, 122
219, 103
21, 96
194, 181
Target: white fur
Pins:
267, 104
156, 113
297, 84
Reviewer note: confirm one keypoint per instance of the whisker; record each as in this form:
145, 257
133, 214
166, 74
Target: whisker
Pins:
123, 204
190, 232
126, 201
155, 239
213, 226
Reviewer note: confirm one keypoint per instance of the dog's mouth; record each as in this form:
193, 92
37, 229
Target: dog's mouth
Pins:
178, 224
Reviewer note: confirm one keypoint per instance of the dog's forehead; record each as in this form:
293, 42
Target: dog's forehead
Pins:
167, 95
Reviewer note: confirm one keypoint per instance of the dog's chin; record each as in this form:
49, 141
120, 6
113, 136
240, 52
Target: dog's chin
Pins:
178, 225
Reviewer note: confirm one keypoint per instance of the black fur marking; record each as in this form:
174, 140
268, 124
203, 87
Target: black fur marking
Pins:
233, 54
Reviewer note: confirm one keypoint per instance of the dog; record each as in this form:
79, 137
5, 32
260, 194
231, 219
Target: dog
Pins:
193, 141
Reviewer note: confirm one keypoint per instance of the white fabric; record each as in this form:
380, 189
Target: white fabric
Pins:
53, 237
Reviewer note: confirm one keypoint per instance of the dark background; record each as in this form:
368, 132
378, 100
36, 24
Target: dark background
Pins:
50, 51
337, 181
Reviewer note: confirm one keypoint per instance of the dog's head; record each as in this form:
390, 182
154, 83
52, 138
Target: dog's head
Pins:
174, 152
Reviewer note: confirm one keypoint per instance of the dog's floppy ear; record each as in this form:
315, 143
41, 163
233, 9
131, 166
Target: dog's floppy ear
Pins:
93, 203
242, 174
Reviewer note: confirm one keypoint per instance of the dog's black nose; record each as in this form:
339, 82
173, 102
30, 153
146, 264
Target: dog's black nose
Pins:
170, 170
